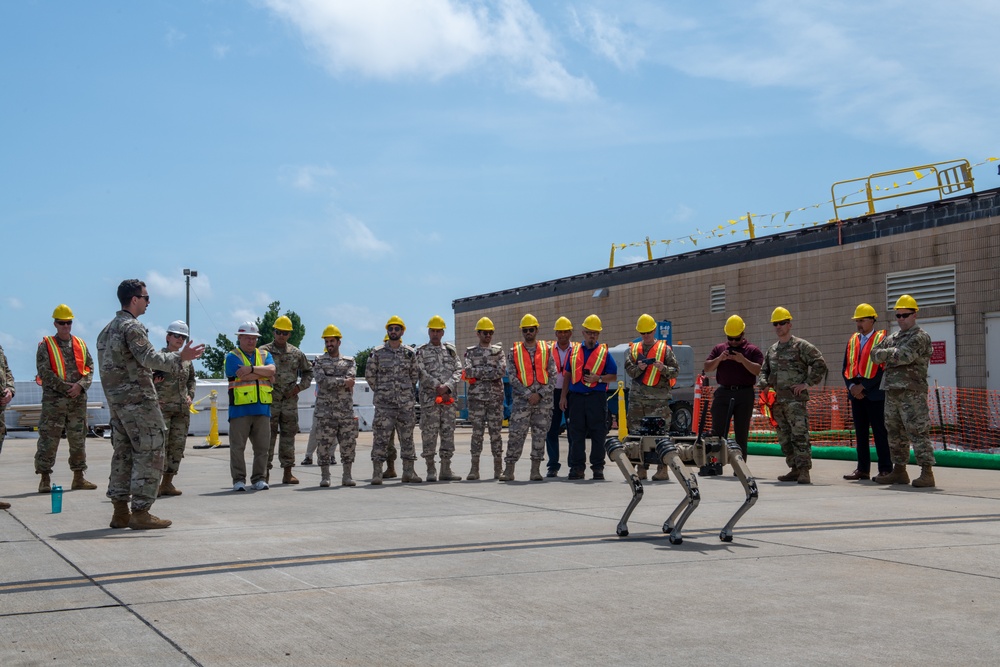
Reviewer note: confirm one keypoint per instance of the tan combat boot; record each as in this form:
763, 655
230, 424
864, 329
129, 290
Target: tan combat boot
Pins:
804, 477
409, 474
288, 477
81, 484
167, 487
497, 466
790, 476
640, 472
662, 473
143, 520
926, 479
121, 516
432, 473
897, 476
536, 472
346, 480
45, 483
324, 478
390, 469
508, 473
376, 473
474, 471
446, 474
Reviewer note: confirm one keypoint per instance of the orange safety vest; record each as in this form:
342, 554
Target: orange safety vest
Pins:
657, 353
594, 366
556, 352
859, 361
248, 392
56, 358
529, 369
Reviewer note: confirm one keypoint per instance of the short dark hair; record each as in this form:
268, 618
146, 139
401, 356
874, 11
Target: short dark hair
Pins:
128, 289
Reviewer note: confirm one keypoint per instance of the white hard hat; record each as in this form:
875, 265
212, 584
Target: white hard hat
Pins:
178, 327
248, 329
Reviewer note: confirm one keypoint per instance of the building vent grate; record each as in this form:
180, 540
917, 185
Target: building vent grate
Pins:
717, 299
930, 287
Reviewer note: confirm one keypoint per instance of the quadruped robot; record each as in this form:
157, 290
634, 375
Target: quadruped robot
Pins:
652, 445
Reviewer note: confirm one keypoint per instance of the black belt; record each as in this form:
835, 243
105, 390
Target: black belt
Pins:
735, 387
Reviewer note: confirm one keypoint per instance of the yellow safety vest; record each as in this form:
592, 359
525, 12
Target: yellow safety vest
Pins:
248, 392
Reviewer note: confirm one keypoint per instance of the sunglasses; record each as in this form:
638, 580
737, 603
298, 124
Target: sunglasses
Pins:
394, 327
486, 333
279, 332
176, 335
142, 296
64, 323
529, 329
781, 323
903, 316
735, 339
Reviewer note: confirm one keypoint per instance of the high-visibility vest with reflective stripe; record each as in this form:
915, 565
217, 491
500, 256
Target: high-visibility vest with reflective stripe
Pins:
859, 361
531, 367
56, 358
248, 392
657, 353
594, 366
557, 353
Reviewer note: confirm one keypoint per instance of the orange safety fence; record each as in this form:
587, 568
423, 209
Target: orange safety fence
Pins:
967, 419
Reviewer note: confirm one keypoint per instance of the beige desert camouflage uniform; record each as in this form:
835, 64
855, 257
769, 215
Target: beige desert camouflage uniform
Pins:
785, 364
906, 355
174, 391
6, 382
438, 364
127, 360
59, 411
485, 365
291, 369
646, 401
392, 375
334, 421
525, 417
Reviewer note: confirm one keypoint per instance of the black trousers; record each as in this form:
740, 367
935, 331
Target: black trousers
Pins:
588, 415
552, 437
743, 400
871, 414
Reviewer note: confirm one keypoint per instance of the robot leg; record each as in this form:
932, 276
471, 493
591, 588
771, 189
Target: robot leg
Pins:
616, 452
667, 453
749, 485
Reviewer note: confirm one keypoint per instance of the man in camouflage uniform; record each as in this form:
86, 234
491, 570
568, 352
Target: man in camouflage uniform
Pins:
653, 368
294, 375
531, 368
392, 374
65, 371
334, 421
790, 366
6, 396
906, 354
127, 359
484, 369
440, 372
176, 392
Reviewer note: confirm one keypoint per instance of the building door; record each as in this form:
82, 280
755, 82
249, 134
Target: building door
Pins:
993, 366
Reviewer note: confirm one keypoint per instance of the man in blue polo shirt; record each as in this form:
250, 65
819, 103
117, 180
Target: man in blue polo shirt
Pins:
250, 372
584, 396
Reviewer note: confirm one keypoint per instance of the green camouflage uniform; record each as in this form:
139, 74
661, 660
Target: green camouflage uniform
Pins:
485, 365
906, 355
438, 364
59, 411
127, 360
6, 382
291, 369
524, 416
392, 375
786, 364
333, 420
175, 391
646, 401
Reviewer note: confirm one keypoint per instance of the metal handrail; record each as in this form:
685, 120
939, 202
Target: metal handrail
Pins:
951, 177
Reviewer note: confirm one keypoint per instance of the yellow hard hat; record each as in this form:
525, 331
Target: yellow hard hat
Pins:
646, 324
436, 322
864, 310
283, 323
395, 319
62, 312
593, 322
780, 314
735, 326
485, 324
906, 301
386, 339
331, 332
529, 321
563, 324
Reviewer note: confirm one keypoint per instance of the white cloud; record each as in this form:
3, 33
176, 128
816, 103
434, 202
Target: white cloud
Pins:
15, 303
357, 317
434, 39
173, 36
606, 36
360, 239
308, 178
221, 50
173, 286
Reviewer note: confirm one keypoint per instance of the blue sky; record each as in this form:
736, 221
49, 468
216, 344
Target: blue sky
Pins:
356, 160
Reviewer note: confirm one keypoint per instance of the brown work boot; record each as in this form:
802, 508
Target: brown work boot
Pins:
81, 484
346, 479
324, 475
409, 474
376, 473
446, 474
897, 476
432, 473
288, 477
497, 466
536, 471
45, 483
143, 520
121, 516
804, 477
474, 471
662, 473
508, 474
390, 469
4, 506
640, 472
167, 487
926, 479
790, 476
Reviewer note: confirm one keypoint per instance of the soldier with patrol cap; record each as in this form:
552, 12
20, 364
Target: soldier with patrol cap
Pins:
653, 368
392, 374
293, 374
906, 354
532, 372
440, 373
334, 422
484, 368
790, 366
863, 378
736, 363
65, 371
175, 392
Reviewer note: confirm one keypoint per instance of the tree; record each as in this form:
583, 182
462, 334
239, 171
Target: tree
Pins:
214, 358
361, 360
266, 325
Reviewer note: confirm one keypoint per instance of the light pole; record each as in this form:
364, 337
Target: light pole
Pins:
188, 275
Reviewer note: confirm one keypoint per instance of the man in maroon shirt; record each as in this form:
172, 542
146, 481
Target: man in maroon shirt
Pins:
736, 364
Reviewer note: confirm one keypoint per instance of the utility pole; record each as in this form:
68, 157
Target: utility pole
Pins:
188, 275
